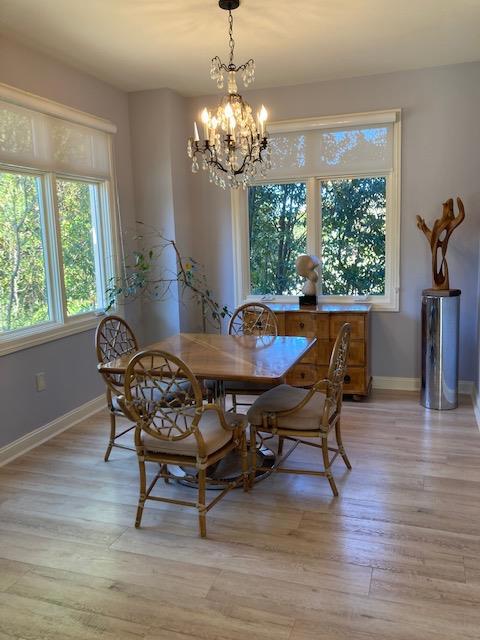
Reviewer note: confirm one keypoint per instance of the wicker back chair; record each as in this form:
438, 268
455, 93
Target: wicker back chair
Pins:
294, 414
250, 319
253, 319
113, 338
174, 427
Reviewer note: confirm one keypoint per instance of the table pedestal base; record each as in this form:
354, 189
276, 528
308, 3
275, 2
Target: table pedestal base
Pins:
227, 469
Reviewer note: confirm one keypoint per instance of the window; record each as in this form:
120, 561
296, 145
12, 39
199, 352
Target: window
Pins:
353, 236
277, 234
57, 230
81, 250
334, 192
23, 283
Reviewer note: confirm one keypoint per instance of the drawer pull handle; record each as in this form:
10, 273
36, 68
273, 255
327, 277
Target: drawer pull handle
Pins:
347, 379
302, 325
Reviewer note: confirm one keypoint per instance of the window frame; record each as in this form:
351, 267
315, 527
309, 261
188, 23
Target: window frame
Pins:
61, 324
239, 208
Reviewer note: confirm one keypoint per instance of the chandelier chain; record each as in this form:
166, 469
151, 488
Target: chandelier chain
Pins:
230, 33
234, 145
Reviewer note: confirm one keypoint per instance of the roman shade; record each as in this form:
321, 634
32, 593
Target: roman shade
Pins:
321, 150
38, 140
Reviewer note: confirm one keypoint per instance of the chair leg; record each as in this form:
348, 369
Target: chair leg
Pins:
326, 463
164, 469
253, 454
234, 402
244, 453
341, 449
202, 518
143, 491
280, 446
111, 440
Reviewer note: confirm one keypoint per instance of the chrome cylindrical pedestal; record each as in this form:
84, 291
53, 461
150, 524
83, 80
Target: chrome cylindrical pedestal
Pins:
440, 320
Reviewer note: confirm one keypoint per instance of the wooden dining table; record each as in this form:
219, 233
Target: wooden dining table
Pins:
223, 358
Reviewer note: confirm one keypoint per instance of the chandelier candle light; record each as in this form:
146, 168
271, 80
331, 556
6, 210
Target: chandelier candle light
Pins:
234, 147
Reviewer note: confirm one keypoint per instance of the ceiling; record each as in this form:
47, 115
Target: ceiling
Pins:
147, 44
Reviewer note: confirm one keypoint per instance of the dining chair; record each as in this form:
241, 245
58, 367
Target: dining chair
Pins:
296, 414
250, 319
113, 338
175, 427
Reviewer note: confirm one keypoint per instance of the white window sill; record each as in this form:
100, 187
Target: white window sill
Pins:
34, 336
378, 303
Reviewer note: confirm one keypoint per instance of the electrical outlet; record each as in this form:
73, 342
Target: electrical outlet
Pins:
40, 381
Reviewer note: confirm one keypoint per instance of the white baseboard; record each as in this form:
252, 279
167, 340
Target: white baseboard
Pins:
38, 436
476, 404
413, 384
396, 384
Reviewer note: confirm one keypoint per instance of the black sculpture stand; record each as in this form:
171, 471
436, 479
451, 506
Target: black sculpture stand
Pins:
307, 301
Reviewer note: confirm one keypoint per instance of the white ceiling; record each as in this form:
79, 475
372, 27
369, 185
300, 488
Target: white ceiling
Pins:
146, 44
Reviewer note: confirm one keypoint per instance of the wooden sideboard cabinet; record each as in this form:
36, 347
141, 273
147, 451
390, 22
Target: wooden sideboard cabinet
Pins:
323, 322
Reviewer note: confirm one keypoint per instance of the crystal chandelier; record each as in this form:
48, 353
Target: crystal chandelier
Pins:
234, 146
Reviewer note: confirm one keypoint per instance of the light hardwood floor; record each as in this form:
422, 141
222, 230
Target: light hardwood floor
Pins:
396, 556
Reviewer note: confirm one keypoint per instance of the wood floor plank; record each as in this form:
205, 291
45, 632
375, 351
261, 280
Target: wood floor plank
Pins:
97, 561
352, 627
324, 526
219, 552
424, 513
15, 517
472, 570
386, 585
158, 608
32, 619
10, 572
328, 609
112, 514
350, 551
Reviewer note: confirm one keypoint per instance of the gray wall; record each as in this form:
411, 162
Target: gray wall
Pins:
154, 205
158, 122
69, 363
440, 159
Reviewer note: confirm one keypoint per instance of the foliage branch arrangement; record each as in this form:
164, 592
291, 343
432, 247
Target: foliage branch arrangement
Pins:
142, 278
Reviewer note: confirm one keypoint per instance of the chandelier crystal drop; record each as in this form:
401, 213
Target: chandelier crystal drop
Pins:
233, 145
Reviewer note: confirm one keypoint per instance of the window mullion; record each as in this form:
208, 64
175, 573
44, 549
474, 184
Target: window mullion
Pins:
100, 247
60, 301
314, 224
48, 247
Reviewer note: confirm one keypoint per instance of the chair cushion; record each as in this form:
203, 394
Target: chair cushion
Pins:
285, 397
176, 388
214, 435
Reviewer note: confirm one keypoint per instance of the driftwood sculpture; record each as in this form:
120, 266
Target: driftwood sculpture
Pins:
438, 237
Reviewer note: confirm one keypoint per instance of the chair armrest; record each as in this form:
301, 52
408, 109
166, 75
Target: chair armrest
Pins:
320, 384
122, 401
242, 422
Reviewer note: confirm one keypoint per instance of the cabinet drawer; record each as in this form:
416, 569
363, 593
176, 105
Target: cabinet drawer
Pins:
324, 350
301, 324
356, 353
303, 375
310, 357
307, 324
320, 354
357, 322
354, 381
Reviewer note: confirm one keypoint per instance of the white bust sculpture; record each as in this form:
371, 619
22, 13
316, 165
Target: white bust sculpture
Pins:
306, 266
